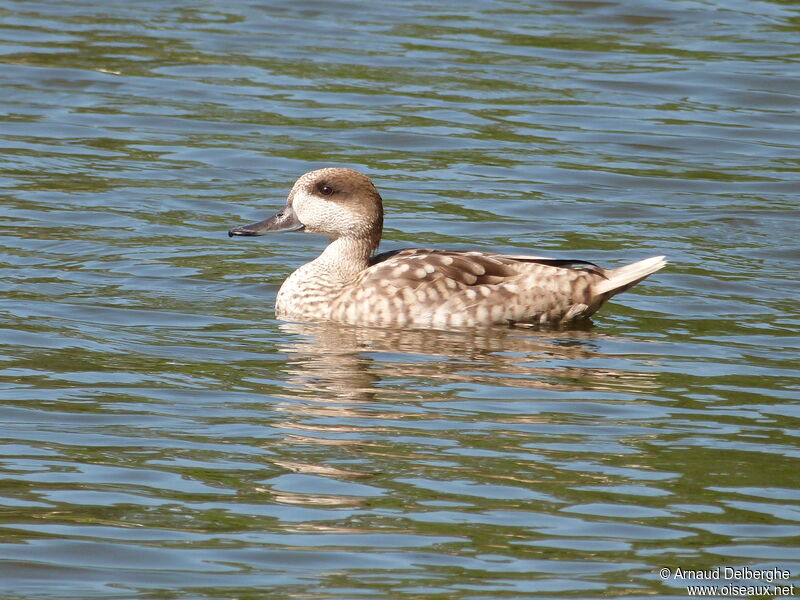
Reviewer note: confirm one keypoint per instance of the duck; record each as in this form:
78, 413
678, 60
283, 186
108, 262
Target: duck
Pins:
349, 283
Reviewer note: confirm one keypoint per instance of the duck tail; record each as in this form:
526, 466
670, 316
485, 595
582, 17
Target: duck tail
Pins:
623, 278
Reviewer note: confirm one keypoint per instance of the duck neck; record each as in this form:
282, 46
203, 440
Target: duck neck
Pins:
344, 258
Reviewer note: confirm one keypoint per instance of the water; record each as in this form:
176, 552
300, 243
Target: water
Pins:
165, 437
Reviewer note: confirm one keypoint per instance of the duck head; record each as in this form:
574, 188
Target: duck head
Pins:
335, 202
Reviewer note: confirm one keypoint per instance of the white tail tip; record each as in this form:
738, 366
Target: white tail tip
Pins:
626, 277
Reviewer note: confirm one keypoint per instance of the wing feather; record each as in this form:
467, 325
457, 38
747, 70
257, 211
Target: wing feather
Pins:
423, 265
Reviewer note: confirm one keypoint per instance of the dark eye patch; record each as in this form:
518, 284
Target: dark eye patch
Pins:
325, 189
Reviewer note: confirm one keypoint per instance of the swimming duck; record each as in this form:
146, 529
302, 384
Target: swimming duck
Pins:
420, 287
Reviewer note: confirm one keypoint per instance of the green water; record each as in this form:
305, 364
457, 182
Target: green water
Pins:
165, 437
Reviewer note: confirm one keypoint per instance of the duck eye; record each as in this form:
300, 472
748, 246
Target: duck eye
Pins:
325, 190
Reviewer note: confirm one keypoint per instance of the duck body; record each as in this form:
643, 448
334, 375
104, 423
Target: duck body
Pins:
419, 287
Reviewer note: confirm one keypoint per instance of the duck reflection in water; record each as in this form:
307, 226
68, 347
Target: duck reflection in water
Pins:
346, 364
349, 391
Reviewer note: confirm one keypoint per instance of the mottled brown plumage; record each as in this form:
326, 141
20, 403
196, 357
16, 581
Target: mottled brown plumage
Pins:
419, 287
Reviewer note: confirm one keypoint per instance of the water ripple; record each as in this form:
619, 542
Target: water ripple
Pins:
164, 435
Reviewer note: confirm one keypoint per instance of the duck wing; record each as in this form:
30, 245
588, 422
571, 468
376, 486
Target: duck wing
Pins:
443, 288
416, 266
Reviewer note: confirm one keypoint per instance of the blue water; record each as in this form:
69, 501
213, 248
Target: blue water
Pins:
165, 437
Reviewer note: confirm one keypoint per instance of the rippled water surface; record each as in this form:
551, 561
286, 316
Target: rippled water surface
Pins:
163, 436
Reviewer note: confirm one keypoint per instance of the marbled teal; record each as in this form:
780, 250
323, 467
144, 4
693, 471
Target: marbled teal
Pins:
419, 287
